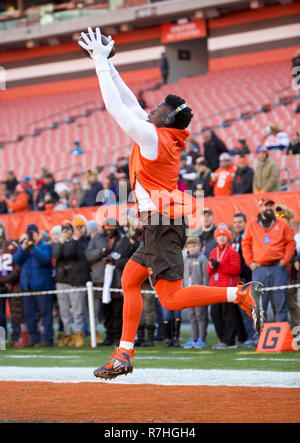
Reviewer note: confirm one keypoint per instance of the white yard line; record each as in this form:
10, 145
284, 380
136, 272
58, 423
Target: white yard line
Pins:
181, 377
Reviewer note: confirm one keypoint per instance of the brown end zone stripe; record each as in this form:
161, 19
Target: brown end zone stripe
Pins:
252, 15
75, 55
42, 51
254, 58
75, 84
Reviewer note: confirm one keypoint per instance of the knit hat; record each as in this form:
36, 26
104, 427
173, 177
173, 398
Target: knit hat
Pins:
224, 156
79, 220
32, 228
56, 230
262, 149
242, 161
222, 230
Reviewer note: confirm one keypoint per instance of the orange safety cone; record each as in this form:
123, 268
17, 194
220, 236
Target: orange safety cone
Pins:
276, 337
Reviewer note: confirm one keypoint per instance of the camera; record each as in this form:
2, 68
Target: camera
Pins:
30, 238
214, 263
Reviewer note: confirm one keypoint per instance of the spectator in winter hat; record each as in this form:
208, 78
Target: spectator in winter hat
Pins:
34, 255
222, 178
243, 179
55, 234
223, 268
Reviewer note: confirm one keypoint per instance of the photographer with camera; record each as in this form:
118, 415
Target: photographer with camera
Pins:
108, 252
72, 270
34, 255
223, 268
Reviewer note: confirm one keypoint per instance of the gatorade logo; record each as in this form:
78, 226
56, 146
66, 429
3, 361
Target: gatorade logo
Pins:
271, 338
276, 337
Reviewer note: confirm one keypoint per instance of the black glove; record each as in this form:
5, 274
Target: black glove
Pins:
214, 263
105, 252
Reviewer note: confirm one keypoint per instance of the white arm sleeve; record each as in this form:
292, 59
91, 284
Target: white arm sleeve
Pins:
140, 130
127, 96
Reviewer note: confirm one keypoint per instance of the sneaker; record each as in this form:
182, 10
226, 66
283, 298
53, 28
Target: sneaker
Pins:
200, 344
222, 345
189, 344
121, 363
249, 299
248, 344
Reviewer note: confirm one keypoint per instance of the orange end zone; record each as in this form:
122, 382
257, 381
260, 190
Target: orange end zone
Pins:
115, 403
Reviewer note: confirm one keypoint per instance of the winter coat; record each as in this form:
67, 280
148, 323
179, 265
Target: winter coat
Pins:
266, 176
20, 203
98, 250
36, 265
212, 151
243, 181
90, 195
204, 180
246, 273
208, 241
71, 265
228, 271
195, 270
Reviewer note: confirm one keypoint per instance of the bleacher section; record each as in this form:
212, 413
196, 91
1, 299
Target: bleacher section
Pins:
50, 124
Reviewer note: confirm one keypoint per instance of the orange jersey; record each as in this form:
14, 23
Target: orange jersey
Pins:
224, 180
159, 177
20, 204
266, 245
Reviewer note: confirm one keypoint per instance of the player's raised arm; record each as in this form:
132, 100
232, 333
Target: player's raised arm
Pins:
140, 130
127, 96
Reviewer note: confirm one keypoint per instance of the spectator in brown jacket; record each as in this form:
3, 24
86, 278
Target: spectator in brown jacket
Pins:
266, 176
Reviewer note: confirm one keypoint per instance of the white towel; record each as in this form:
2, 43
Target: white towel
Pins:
108, 278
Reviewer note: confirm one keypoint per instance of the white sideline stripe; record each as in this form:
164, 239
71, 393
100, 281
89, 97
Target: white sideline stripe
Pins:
167, 377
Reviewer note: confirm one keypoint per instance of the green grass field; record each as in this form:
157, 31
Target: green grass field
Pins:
155, 357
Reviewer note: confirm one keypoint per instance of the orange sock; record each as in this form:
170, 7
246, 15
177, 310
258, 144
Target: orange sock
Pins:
175, 298
132, 279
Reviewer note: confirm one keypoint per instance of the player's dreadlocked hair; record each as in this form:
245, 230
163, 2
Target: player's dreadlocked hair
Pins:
184, 117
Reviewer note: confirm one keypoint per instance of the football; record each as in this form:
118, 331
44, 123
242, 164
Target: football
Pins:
104, 42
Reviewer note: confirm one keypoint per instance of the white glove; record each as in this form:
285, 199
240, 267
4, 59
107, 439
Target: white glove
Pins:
98, 52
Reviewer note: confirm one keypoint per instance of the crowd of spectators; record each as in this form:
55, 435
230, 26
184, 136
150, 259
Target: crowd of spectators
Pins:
78, 251
212, 168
